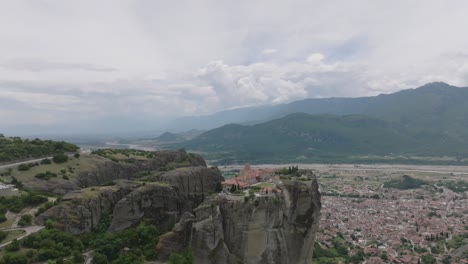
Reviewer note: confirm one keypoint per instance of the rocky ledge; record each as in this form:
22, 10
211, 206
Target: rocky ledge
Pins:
161, 201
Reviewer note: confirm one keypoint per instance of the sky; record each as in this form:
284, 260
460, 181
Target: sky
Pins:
121, 65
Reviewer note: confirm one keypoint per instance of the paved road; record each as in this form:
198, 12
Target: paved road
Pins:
33, 160
28, 231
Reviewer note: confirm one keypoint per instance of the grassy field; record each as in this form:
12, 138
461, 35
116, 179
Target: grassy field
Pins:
69, 169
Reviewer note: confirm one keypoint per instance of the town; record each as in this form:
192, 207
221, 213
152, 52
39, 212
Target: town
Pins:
371, 222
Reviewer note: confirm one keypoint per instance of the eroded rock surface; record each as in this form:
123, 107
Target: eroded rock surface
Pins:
161, 197
269, 229
163, 202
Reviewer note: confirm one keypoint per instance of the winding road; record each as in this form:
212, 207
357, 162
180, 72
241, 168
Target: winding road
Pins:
28, 231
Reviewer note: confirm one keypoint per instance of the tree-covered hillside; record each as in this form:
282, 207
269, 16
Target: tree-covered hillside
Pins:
430, 121
302, 137
15, 148
437, 106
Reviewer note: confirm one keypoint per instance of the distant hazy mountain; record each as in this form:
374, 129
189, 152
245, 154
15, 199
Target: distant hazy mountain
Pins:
176, 137
436, 105
428, 121
169, 137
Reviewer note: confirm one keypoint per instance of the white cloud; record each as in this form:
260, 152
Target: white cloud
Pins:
269, 51
315, 58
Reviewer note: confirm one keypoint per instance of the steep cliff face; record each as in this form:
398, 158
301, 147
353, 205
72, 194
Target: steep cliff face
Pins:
161, 201
178, 239
164, 201
80, 211
278, 228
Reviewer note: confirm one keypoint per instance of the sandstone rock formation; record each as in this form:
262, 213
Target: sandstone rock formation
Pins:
161, 198
103, 171
268, 229
178, 239
81, 211
163, 160
163, 202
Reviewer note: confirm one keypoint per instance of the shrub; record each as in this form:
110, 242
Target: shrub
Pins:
3, 235
99, 258
25, 220
46, 161
44, 208
2, 218
13, 246
23, 167
77, 155
45, 176
185, 257
14, 258
60, 158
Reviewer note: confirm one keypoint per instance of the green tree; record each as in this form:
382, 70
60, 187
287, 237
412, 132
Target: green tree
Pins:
14, 258
13, 246
60, 158
219, 187
428, 259
3, 235
25, 220
23, 167
384, 256
185, 257
99, 258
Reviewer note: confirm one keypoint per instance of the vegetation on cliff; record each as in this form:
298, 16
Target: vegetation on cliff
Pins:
15, 148
17, 203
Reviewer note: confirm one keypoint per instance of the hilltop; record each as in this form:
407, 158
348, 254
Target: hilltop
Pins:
15, 148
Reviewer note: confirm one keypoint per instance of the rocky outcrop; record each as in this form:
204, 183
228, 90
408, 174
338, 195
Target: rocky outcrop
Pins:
98, 170
270, 229
165, 160
80, 211
164, 201
105, 173
161, 202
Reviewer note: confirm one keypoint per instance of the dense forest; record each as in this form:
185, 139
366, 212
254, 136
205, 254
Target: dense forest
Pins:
15, 148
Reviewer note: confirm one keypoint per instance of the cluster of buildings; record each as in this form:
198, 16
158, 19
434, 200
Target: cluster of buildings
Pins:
399, 223
249, 176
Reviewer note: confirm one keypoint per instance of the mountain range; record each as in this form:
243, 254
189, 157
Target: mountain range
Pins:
429, 121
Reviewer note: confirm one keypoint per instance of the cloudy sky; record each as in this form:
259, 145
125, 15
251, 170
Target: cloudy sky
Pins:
107, 65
